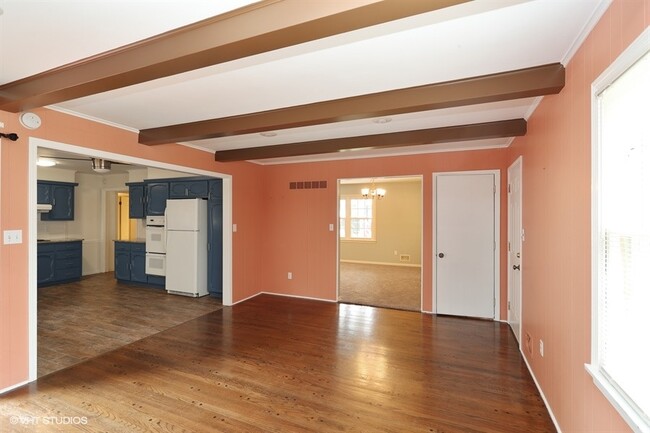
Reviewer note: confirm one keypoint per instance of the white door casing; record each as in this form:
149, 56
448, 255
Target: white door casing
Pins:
515, 238
465, 246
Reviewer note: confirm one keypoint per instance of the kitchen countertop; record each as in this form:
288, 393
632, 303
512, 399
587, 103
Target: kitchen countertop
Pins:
134, 241
43, 241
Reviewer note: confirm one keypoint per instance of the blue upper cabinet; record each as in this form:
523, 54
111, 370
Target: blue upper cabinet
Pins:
136, 200
60, 195
157, 195
215, 238
188, 189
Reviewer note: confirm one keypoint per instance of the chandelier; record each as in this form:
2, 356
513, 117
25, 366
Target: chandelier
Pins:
373, 192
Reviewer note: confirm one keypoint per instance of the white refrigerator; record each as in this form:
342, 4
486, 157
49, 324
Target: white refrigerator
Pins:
186, 223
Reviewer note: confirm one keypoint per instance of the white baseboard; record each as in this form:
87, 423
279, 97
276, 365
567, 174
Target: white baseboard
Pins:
539, 388
246, 299
10, 388
363, 262
299, 297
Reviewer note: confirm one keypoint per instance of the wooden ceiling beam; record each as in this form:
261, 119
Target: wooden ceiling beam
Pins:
449, 134
261, 27
522, 83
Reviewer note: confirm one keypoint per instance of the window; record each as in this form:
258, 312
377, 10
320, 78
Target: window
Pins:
357, 218
621, 235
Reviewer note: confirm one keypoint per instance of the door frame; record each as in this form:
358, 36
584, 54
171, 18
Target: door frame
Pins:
497, 237
519, 165
34, 144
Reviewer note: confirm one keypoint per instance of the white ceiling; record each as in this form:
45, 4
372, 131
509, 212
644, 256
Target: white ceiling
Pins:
472, 39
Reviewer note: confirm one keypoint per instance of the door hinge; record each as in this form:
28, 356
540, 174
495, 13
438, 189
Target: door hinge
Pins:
494, 189
508, 246
508, 187
508, 305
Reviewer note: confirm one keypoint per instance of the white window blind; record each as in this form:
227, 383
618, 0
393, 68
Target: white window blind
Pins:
622, 355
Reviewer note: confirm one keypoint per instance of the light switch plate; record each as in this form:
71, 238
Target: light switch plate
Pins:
13, 237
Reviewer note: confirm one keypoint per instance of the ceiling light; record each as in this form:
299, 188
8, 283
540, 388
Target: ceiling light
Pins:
100, 165
45, 162
373, 192
268, 134
382, 120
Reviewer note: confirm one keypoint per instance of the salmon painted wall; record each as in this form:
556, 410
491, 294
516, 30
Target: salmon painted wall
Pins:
14, 215
296, 222
557, 218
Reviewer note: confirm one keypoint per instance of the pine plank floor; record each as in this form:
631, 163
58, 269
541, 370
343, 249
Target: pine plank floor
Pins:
275, 364
83, 319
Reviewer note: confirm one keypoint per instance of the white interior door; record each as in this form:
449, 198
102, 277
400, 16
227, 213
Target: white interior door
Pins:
465, 244
514, 246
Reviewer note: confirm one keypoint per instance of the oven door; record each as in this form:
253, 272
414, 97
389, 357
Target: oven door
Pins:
155, 241
155, 264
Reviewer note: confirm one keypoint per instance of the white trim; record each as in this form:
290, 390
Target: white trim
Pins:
91, 118
497, 236
32, 293
342, 156
310, 298
532, 109
246, 299
34, 143
541, 393
601, 8
12, 387
366, 262
519, 161
636, 50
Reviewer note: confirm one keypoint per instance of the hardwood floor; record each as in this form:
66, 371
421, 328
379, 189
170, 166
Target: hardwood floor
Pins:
83, 319
274, 364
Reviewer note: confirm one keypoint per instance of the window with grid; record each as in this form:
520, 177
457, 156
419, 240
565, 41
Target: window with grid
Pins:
621, 234
357, 218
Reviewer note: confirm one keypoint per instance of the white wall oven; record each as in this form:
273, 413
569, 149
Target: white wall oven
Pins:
155, 245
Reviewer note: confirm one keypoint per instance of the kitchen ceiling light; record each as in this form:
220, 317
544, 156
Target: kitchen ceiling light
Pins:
45, 162
100, 165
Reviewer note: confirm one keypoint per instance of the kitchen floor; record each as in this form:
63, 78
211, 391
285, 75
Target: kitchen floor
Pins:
83, 319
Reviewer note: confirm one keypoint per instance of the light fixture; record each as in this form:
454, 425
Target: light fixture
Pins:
100, 165
373, 192
45, 162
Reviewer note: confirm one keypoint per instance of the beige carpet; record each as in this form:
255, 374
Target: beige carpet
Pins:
380, 285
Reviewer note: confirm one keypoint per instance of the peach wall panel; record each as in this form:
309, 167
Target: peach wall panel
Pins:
317, 245
557, 215
14, 215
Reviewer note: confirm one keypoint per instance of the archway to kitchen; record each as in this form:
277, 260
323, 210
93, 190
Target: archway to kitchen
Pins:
35, 145
380, 242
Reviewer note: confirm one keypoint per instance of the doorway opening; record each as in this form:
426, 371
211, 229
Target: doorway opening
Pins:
380, 242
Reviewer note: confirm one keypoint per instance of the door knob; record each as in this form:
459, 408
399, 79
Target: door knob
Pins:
441, 255
516, 267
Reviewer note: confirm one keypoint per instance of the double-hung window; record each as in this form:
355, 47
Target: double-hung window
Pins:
357, 218
620, 362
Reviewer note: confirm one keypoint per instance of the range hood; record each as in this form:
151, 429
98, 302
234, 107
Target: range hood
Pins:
40, 207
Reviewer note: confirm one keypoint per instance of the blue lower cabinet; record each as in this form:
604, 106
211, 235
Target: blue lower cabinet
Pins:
130, 265
58, 262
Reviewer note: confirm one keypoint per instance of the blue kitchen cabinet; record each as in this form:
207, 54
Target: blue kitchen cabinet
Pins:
58, 262
137, 200
157, 194
130, 264
43, 193
122, 263
188, 189
44, 266
215, 238
60, 195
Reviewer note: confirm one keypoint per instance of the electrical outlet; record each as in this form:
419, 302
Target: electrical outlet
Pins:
289, 275
395, 252
541, 347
